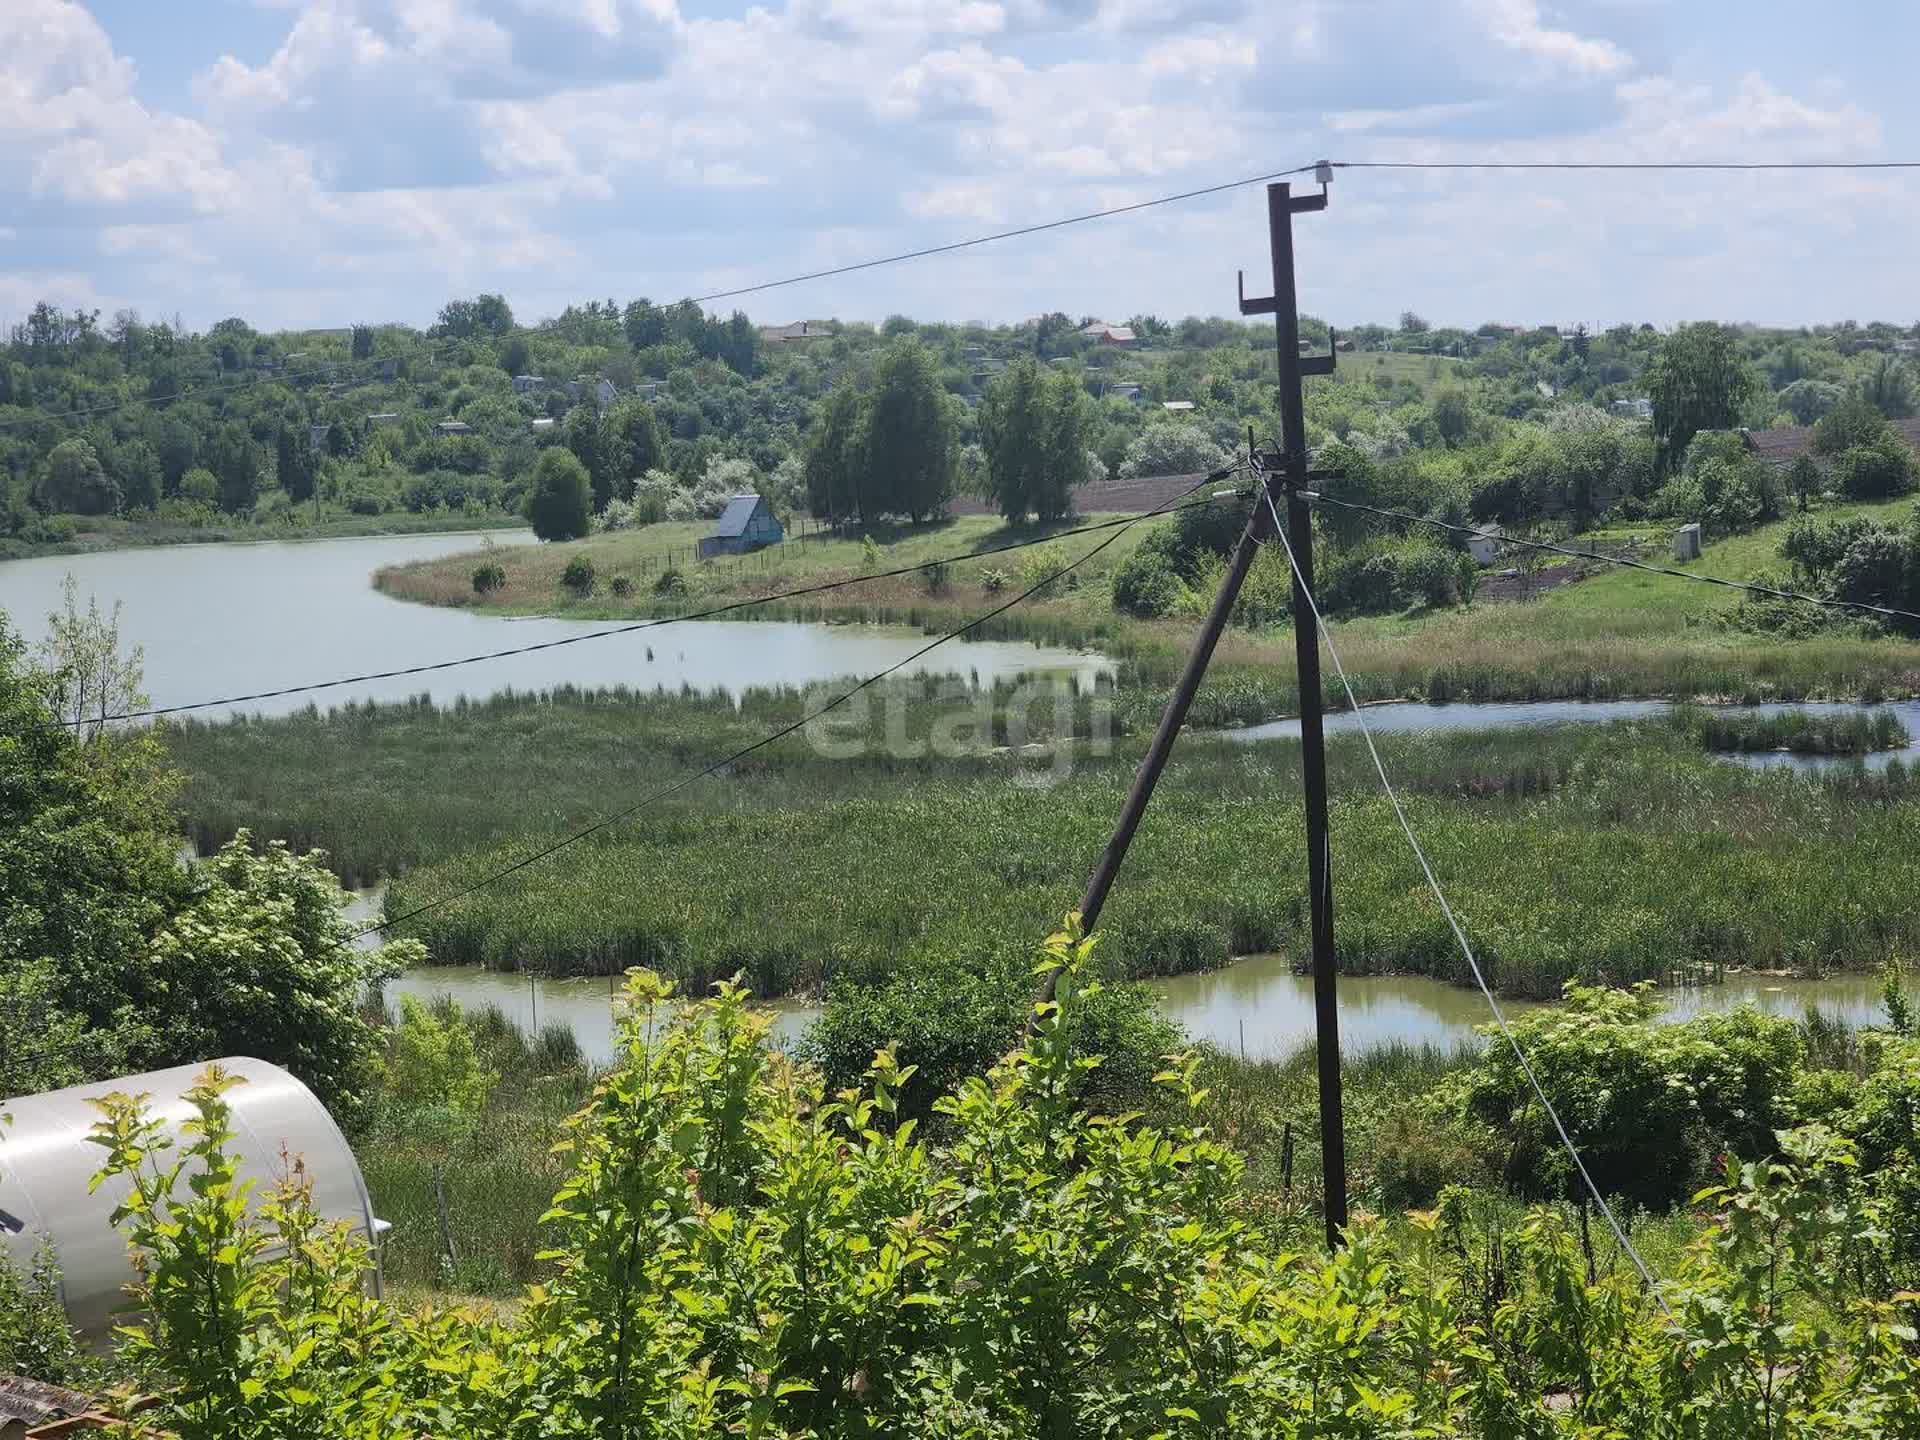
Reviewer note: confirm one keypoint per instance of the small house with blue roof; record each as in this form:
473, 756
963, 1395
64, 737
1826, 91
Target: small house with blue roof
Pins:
746, 524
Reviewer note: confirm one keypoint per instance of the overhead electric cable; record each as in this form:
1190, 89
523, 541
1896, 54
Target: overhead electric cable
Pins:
1729, 165
1172, 507
1002, 235
1433, 883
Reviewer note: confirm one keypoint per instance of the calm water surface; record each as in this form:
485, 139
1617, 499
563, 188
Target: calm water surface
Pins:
218, 620
1418, 718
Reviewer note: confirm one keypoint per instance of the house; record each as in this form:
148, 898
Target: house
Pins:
528, 384
649, 390
1638, 408
1101, 333
1484, 544
389, 369
1178, 407
453, 427
317, 436
1781, 445
384, 417
1127, 391
605, 392
544, 425
798, 333
746, 524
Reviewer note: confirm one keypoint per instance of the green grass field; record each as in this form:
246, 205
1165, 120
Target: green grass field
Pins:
1621, 633
1429, 372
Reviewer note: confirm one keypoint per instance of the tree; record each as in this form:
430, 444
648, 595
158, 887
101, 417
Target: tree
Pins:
1853, 423
835, 463
1887, 387
633, 443
1697, 381
1452, 415
85, 677
361, 346
236, 465
1034, 430
137, 472
645, 324
294, 463
559, 506
482, 316
909, 451
1875, 472
1412, 324
1808, 400
76, 483
1171, 447
1803, 480
514, 355
584, 433
1012, 435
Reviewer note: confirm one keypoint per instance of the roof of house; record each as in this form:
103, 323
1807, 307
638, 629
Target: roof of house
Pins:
1121, 333
1783, 444
733, 520
1176, 404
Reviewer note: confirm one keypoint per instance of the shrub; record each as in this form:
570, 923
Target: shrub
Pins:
1651, 1103
488, 576
433, 1064
1429, 574
993, 579
1875, 472
560, 506
578, 576
35, 1340
621, 586
1146, 585
671, 582
1040, 568
934, 579
364, 504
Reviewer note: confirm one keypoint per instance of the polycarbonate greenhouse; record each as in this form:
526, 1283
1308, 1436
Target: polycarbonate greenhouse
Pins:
47, 1161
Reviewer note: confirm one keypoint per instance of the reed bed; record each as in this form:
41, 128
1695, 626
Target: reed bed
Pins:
1848, 732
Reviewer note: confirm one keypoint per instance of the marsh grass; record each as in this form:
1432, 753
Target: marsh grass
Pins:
1634, 860
1802, 732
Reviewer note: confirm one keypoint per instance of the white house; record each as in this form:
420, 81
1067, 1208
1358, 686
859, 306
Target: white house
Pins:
1484, 544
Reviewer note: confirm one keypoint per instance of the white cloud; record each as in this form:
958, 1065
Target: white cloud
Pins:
1517, 25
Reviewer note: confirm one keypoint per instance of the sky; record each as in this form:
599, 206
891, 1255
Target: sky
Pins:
313, 163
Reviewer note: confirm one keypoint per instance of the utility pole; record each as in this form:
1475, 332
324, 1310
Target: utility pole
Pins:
1285, 472
1290, 464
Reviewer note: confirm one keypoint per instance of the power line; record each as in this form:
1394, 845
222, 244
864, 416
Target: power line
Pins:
1891, 612
782, 732
1453, 921
154, 712
1002, 235
1731, 165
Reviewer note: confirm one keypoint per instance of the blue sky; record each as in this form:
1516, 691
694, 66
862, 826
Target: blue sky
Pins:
315, 162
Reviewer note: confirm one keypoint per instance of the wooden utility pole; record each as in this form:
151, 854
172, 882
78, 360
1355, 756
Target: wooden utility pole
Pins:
1290, 464
1284, 472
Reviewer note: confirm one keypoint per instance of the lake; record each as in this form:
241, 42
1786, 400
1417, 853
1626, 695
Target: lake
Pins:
1416, 718
219, 620
1256, 1006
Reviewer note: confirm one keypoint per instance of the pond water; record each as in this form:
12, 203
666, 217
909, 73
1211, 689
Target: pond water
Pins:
1260, 1006
218, 620
1414, 718
1255, 1006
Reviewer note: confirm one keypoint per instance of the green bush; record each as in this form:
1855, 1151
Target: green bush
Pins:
671, 582
1875, 472
488, 576
1652, 1104
1429, 574
621, 586
1146, 585
560, 504
35, 1339
578, 576
993, 580
737, 1251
